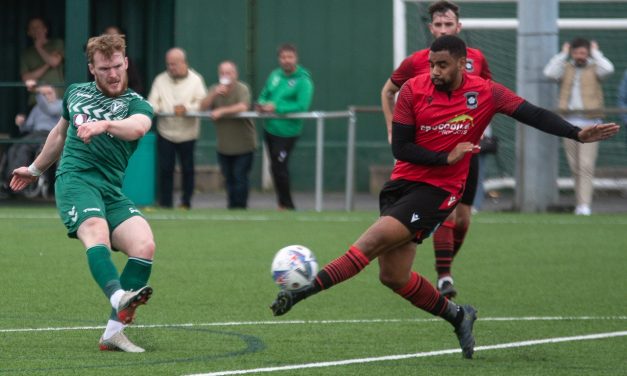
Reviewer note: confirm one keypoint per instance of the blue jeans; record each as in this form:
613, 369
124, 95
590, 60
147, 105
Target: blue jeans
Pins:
235, 169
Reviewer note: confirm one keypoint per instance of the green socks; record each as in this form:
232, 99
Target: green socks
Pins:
134, 276
103, 270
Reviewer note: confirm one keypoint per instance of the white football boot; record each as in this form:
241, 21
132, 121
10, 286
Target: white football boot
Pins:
119, 342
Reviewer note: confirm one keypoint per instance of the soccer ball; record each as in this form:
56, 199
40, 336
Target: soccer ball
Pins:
294, 267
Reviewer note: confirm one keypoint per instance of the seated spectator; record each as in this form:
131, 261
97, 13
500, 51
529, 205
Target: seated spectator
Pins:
42, 118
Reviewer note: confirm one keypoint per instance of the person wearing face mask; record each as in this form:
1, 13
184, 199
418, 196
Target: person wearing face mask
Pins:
579, 68
177, 90
289, 88
237, 138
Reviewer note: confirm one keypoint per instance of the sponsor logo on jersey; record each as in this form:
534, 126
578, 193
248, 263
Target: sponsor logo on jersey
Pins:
117, 107
83, 95
471, 99
80, 119
470, 65
458, 125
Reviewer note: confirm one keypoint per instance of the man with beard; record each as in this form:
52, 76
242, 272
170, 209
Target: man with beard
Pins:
288, 89
579, 69
101, 124
449, 237
438, 121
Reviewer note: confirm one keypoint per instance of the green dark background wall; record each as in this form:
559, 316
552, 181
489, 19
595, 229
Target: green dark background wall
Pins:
345, 44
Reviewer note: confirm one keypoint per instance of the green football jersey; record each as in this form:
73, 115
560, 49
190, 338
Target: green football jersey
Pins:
107, 154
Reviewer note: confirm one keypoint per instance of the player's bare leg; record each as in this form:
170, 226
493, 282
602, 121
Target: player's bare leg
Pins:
395, 272
463, 214
385, 234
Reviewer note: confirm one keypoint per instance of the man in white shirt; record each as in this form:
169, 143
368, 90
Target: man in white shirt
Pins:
579, 68
177, 90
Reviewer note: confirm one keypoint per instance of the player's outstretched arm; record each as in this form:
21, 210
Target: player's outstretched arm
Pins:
554, 124
50, 153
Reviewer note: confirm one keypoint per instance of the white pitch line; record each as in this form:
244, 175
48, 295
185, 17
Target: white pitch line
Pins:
416, 355
314, 322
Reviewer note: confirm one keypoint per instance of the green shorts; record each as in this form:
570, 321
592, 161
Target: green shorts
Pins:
84, 195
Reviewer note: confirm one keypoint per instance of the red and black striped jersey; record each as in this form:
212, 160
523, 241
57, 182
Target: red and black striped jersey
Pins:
444, 119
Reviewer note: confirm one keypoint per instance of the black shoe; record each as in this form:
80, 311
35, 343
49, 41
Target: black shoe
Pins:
448, 290
282, 304
464, 331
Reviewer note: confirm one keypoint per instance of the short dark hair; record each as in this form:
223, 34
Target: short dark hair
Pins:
287, 47
580, 42
442, 7
454, 45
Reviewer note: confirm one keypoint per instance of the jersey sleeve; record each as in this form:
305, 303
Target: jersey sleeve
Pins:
404, 72
66, 110
140, 106
485, 68
505, 100
403, 110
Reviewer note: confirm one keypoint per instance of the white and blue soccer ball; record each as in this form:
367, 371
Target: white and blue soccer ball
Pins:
294, 267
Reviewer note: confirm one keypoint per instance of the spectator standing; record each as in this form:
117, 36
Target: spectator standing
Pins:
177, 90
237, 138
579, 68
289, 88
43, 61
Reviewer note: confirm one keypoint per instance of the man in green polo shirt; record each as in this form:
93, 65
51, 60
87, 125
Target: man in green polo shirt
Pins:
287, 89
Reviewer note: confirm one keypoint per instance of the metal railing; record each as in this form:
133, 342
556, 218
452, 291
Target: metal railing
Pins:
320, 117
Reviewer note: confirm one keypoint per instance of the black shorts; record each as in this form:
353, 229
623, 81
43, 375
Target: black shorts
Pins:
471, 182
419, 206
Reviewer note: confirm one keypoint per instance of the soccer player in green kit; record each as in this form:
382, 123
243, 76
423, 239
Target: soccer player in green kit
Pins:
101, 124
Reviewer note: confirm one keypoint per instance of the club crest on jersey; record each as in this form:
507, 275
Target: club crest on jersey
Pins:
471, 99
80, 119
117, 107
470, 65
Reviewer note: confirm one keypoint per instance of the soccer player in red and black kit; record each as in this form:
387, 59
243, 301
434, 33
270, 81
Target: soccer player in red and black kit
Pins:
438, 121
448, 238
